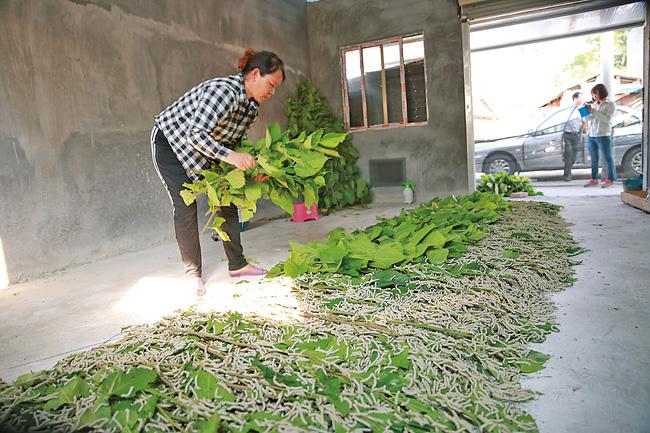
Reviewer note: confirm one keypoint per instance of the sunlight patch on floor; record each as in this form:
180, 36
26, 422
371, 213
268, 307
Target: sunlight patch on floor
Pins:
4, 275
270, 299
151, 298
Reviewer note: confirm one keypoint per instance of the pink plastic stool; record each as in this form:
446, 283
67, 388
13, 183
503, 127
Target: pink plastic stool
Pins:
301, 214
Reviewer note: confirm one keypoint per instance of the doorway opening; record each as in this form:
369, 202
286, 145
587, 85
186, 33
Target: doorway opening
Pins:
527, 67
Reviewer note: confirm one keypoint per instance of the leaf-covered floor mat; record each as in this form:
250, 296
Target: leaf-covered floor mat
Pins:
419, 348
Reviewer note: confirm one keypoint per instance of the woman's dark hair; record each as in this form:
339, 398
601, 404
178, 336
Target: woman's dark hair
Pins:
601, 90
266, 61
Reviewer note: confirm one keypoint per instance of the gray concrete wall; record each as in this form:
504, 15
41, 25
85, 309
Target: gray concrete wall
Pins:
80, 82
436, 154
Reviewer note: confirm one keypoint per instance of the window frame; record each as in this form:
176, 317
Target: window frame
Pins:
560, 114
344, 84
623, 117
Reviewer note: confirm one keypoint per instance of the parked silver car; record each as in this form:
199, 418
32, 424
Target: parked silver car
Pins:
541, 148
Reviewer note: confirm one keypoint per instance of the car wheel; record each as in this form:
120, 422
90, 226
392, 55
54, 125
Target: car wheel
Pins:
500, 163
632, 162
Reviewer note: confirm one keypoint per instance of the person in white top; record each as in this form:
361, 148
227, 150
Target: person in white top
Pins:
600, 135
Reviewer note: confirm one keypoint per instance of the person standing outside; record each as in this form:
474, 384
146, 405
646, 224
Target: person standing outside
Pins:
572, 136
201, 127
600, 135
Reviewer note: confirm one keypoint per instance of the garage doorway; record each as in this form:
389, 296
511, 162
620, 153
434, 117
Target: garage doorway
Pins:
528, 59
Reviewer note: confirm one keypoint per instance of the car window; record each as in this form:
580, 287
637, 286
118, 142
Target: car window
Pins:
622, 119
555, 122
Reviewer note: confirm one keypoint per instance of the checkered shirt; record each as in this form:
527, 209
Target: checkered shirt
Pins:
207, 121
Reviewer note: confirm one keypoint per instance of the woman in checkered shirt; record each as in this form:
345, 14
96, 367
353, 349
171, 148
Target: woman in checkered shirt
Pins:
201, 127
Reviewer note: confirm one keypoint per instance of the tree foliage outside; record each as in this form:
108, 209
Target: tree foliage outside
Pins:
588, 62
620, 49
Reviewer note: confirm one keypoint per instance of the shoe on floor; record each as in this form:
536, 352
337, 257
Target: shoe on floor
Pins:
591, 182
247, 271
607, 183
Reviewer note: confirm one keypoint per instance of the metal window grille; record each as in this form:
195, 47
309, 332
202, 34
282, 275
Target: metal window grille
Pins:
387, 172
384, 83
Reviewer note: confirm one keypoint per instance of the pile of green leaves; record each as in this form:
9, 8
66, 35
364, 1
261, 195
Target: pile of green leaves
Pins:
435, 232
307, 111
505, 184
294, 166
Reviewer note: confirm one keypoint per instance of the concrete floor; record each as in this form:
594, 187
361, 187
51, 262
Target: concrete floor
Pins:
598, 379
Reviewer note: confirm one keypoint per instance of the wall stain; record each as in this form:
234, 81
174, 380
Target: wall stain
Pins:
16, 171
104, 4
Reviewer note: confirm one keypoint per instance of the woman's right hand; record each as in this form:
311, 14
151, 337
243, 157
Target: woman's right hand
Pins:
241, 160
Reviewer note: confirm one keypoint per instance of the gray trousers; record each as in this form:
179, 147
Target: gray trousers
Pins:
571, 142
173, 175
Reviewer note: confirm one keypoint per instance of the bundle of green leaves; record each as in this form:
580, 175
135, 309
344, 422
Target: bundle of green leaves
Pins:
307, 110
505, 184
292, 166
435, 232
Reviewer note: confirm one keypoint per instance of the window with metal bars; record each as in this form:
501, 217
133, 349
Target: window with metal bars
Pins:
384, 83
